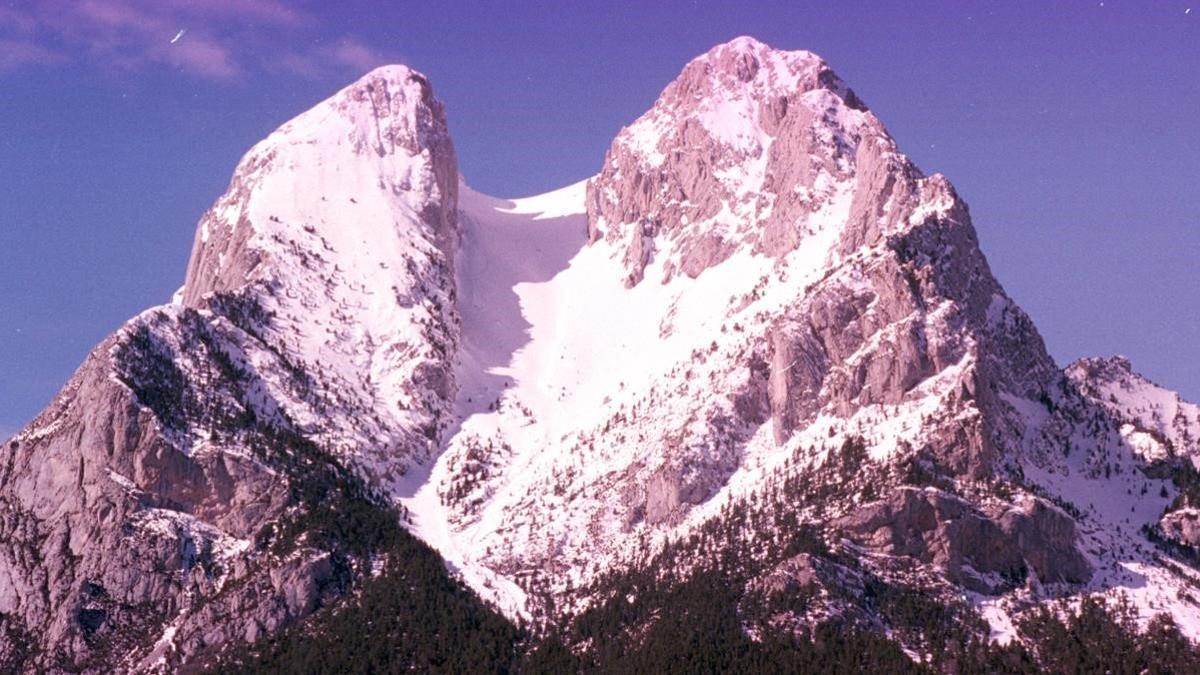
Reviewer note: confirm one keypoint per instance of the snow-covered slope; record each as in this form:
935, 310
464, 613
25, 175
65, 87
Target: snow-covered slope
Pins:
1155, 421
764, 277
512, 361
821, 296
342, 225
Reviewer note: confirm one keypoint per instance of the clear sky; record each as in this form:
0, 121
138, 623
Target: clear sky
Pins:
1070, 128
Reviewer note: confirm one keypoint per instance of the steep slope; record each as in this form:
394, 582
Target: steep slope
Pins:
1156, 422
1163, 433
342, 225
210, 472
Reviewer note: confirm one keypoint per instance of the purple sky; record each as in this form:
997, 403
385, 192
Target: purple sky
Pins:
1070, 129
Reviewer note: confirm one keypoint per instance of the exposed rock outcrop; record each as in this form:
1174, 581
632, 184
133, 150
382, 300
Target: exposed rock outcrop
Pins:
984, 553
822, 589
744, 131
1047, 538
1182, 526
756, 149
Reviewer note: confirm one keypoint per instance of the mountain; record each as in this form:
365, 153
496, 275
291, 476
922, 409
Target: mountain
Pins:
193, 481
748, 398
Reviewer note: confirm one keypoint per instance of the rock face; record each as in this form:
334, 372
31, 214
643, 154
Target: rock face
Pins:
115, 528
1182, 526
342, 228
1047, 538
797, 281
822, 588
937, 528
730, 155
389, 116
756, 149
319, 304
982, 553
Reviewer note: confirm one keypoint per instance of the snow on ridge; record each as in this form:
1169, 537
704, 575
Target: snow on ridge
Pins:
559, 203
1156, 421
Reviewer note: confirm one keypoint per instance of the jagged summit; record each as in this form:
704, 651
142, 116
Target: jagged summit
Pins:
343, 226
316, 329
756, 68
385, 132
396, 74
766, 277
748, 147
1109, 366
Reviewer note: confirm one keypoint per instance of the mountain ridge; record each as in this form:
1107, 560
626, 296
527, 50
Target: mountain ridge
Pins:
758, 312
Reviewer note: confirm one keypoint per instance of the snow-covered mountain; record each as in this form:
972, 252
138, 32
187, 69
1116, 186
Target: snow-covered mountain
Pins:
163, 503
342, 227
760, 339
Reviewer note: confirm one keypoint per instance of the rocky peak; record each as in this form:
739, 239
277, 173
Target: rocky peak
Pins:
337, 173
341, 228
809, 334
792, 282
747, 68
1109, 368
762, 153
750, 147
316, 330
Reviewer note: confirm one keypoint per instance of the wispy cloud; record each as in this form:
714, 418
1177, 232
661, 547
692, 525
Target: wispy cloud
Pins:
345, 54
211, 39
354, 54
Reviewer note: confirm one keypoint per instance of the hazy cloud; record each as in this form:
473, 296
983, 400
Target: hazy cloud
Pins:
213, 39
15, 53
346, 54
355, 55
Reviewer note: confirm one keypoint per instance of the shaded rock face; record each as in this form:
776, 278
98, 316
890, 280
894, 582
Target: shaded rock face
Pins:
112, 525
919, 306
135, 508
663, 495
937, 528
982, 552
671, 491
1048, 540
823, 588
807, 571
